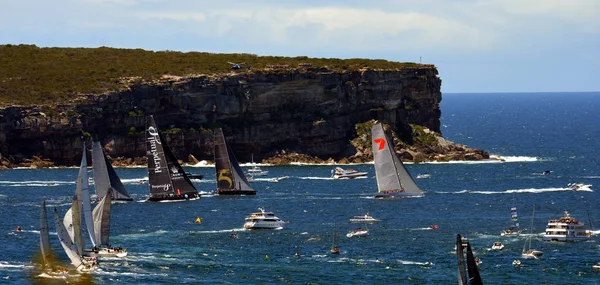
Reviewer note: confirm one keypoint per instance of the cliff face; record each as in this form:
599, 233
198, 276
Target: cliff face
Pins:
313, 112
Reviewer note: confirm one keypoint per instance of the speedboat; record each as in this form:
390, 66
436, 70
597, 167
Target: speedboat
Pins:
263, 220
516, 262
512, 231
596, 266
497, 246
194, 175
566, 228
358, 232
339, 173
579, 186
366, 218
424, 175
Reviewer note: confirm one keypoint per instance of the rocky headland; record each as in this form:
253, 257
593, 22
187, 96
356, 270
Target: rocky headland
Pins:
279, 115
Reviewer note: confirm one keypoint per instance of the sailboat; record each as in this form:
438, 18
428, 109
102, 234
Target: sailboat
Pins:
101, 218
468, 272
393, 180
105, 176
514, 230
167, 179
527, 252
335, 249
230, 177
48, 266
255, 170
81, 264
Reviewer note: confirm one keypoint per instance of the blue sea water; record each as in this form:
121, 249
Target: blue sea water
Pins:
531, 131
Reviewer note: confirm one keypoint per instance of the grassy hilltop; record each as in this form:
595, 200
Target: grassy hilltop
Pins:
30, 75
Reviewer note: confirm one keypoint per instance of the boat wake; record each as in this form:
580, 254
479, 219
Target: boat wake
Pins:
316, 178
36, 183
511, 191
219, 231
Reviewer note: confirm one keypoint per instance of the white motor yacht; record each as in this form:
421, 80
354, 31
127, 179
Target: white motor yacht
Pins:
566, 228
339, 173
366, 218
263, 220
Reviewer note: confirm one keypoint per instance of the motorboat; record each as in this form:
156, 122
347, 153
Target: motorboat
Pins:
424, 175
566, 228
511, 231
358, 232
579, 186
263, 220
497, 246
366, 218
340, 173
596, 266
516, 262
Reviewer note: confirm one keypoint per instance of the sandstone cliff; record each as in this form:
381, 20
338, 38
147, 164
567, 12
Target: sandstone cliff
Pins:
315, 112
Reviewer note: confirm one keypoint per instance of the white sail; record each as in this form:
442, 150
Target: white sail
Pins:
390, 172
66, 242
105, 176
68, 223
101, 216
83, 194
44, 237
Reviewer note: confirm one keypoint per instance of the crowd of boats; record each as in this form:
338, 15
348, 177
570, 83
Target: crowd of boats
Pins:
168, 181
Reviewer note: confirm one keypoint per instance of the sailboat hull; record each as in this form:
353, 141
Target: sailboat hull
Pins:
189, 196
397, 195
236, 192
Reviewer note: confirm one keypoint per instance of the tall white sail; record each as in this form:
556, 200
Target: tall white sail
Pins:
66, 242
101, 216
83, 194
44, 237
390, 172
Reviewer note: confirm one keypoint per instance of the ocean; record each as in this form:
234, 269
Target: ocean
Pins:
531, 132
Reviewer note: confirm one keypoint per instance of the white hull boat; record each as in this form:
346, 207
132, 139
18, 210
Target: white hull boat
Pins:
263, 221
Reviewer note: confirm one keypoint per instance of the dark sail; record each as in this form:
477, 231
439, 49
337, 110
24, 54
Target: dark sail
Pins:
474, 277
166, 177
460, 258
45, 238
230, 177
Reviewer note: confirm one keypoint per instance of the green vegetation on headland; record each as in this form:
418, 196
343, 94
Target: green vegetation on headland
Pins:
30, 75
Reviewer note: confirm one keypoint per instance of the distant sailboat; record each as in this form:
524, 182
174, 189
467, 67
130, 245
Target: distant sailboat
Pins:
166, 177
105, 176
393, 180
230, 177
529, 253
335, 249
468, 272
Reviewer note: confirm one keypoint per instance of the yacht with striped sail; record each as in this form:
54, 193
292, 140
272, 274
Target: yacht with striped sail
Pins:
393, 179
230, 176
167, 179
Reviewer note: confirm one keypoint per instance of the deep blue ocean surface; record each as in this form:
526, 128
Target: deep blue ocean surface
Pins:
531, 131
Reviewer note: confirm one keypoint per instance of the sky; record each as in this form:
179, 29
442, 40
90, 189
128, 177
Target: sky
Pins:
477, 45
